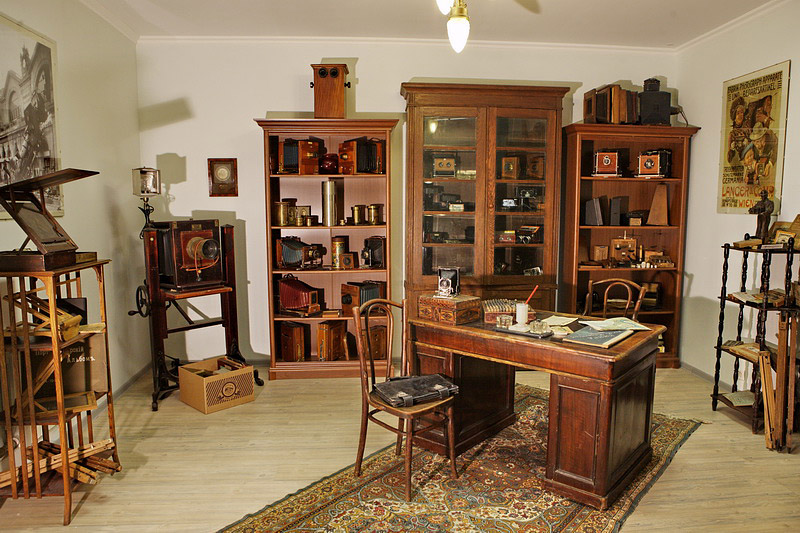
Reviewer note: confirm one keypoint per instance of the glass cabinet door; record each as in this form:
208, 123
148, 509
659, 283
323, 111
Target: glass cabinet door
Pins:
519, 206
450, 197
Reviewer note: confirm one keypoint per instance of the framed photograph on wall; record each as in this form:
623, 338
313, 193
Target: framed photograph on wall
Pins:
753, 137
222, 177
28, 140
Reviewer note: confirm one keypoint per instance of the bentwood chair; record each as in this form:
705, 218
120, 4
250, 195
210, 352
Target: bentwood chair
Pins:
633, 292
412, 421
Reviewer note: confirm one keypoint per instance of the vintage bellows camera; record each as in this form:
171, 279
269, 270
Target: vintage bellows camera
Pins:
449, 282
373, 254
190, 253
298, 298
300, 156
291, 252
362, 156
655, 163
357, 293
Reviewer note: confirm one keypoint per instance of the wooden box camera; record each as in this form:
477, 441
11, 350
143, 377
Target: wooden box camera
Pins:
654, 163
332, 340
295, 341
373, 254
444, 167
357, 293
329, 84
606, 163
362, 156
190, 253
300, 156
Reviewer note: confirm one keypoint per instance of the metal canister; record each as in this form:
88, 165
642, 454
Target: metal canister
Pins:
375, 214
281, 213
299, 220
312, 220
339, 246
359, 214
330, 216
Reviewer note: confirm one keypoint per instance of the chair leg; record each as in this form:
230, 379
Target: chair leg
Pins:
409, 445
362, 438
399, 447
451, 442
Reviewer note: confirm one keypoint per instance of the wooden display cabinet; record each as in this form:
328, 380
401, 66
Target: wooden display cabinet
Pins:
582, 141
494, 211
357, 188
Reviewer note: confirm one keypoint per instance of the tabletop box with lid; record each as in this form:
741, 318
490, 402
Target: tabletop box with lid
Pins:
454, 310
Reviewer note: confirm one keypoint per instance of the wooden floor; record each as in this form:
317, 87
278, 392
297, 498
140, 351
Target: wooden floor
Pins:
185, 471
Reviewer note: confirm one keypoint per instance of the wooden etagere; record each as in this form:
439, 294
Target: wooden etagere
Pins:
582, 141
42, 342
358, 188
781, 357
504, 143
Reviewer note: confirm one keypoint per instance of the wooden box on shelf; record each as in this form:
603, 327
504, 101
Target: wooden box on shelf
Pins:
666, 194
363, 181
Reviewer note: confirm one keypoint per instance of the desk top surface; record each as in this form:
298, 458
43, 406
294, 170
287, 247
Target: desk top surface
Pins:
482, 340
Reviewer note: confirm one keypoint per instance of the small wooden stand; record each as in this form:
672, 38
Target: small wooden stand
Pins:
153, 300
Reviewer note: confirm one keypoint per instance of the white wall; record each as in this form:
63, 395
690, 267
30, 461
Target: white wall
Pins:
98, 130
749, 45
199, 99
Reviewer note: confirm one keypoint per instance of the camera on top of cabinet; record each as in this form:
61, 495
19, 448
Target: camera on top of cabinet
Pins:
190, 253
291, 252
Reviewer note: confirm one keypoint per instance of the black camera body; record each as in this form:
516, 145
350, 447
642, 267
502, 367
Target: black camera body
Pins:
190, 253
373, 254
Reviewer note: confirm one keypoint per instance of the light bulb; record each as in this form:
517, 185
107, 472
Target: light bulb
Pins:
458, 32
444, 6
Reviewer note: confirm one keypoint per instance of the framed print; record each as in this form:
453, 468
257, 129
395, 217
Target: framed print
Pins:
28, 140
222, 178
753, 138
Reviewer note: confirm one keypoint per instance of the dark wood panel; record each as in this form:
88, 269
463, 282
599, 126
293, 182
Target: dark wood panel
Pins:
576, 425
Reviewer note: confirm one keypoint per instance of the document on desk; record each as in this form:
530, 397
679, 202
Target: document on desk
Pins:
556, 320
615, 324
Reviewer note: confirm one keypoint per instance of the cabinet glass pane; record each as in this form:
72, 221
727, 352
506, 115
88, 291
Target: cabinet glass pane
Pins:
449, 131
521, 132
436, 257
518, 261
448, 229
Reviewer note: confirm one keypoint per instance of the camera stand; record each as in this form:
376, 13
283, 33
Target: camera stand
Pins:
153, 300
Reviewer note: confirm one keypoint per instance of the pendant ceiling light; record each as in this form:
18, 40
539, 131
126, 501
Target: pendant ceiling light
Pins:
457, 22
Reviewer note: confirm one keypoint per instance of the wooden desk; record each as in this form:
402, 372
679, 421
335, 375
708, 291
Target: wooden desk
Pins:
600, 399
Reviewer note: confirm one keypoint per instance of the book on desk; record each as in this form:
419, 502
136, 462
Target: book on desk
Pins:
601, 339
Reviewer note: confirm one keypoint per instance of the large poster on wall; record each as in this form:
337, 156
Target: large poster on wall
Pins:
28, 141
753, 133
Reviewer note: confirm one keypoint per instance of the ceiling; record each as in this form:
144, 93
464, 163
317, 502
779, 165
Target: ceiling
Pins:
635, 23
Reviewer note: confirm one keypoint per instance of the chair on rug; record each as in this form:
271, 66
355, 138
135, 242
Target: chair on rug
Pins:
413, 420
630, 289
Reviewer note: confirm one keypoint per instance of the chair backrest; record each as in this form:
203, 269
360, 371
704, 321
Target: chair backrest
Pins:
633, 291
377, 311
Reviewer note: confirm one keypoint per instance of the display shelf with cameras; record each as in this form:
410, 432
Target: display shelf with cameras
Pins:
329, 242
483, 167
626, 193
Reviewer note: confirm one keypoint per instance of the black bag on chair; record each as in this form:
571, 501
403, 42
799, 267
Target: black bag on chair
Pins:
411, 390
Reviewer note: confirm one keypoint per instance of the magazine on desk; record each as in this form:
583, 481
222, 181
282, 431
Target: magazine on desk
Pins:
601, 339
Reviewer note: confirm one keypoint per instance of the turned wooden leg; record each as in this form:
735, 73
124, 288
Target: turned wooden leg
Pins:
362, 438
451, 441
409, 445
399, 448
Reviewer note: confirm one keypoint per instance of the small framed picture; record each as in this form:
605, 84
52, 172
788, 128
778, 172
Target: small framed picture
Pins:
222, 177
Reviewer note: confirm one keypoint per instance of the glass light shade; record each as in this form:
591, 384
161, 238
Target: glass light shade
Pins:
444, 6
458, 32
146, 182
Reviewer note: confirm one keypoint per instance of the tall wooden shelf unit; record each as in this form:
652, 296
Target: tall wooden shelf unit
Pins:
582, 141
52, 436
359, 188
505, 144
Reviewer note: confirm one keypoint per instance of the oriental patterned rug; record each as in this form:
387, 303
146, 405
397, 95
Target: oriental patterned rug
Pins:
500, 487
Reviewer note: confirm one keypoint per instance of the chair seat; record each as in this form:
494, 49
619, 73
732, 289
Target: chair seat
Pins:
407, 412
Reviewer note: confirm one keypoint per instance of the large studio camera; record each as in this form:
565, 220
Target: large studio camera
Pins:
190, 253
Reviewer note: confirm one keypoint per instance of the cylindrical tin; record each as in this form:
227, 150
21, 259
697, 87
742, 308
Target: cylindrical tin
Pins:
375, 214
281, 213
300, 220
329, 201
312, 220
339, 246
359, 214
